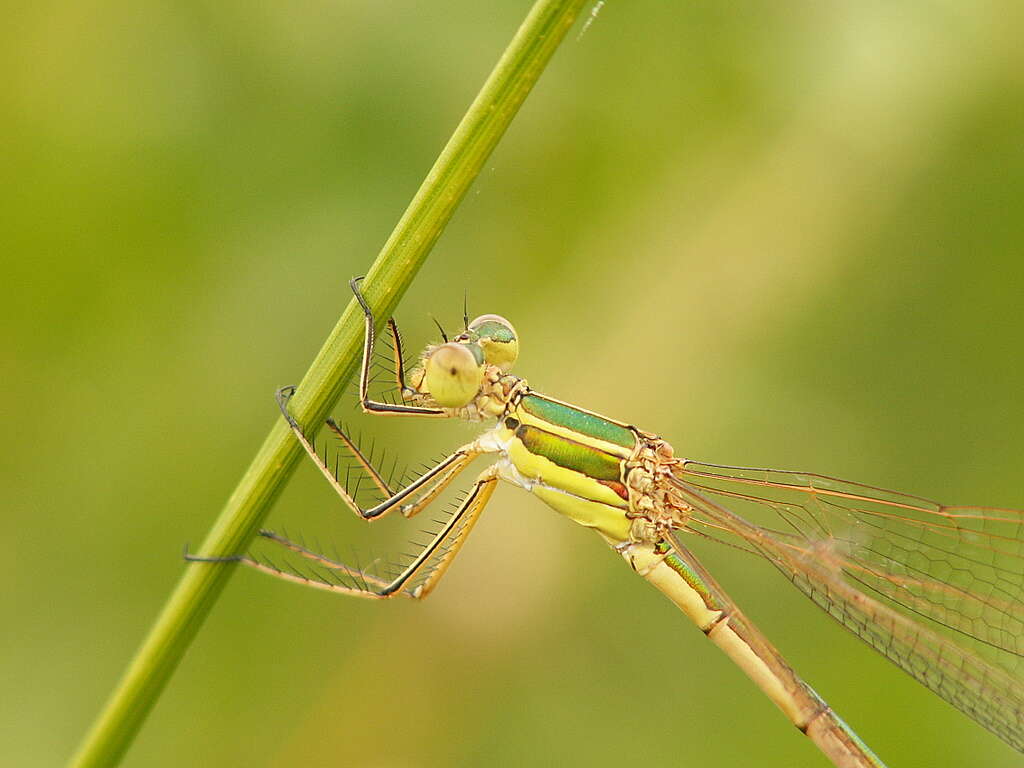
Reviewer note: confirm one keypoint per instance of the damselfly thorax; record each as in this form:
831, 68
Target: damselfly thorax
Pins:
601, 473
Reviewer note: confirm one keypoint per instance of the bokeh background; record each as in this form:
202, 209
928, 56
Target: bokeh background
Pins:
782, 234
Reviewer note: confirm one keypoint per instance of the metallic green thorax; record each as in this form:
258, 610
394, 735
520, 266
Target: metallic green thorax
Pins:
570, 454
577, 420
573, 460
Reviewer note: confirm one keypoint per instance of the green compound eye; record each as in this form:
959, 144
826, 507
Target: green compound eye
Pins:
497, 338
453, 375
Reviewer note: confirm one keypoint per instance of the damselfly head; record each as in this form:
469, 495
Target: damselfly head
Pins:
496, 337
453, 373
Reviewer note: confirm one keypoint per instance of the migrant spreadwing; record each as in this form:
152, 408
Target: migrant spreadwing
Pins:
936, 589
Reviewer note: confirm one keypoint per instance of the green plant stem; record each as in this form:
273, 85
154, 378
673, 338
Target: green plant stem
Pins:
391, 274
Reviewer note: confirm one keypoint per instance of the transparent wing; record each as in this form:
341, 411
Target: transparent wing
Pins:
939, 590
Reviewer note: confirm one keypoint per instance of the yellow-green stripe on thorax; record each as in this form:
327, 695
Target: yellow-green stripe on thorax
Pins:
572, 459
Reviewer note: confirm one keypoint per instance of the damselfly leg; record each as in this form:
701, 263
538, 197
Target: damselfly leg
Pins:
420, 575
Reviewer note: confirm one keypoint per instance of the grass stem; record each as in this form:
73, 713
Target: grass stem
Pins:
387, 279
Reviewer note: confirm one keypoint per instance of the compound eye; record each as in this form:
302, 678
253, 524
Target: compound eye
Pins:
453, 375
498, 339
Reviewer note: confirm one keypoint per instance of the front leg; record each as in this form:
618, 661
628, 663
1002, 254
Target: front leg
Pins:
369, 339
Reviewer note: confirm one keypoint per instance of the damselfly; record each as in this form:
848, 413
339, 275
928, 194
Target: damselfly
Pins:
936, 589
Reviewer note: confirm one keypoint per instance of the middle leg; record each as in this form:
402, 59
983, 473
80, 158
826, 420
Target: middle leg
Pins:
410, 499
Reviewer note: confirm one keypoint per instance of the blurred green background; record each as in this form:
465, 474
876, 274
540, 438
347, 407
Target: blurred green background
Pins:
781, 234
